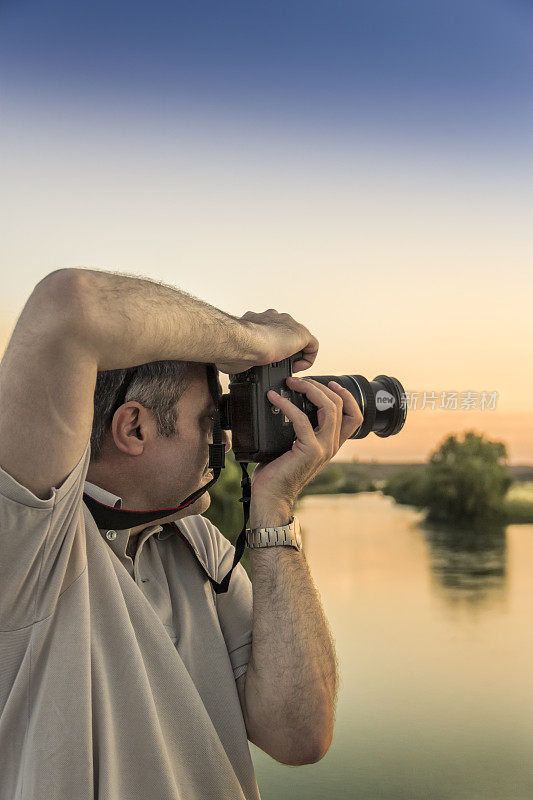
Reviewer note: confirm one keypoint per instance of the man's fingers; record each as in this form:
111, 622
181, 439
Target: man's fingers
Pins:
329, 410
352, 417
339, 415
300, 421
310, 352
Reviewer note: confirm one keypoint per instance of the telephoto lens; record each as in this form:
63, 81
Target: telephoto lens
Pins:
382, 403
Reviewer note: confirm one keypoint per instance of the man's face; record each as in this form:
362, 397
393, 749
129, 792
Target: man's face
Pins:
176, 466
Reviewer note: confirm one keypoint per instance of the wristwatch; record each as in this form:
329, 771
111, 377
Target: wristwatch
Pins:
276, 535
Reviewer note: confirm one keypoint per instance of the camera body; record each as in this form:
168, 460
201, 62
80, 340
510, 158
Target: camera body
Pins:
261, 432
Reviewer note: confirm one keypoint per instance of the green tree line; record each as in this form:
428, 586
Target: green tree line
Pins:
465, 481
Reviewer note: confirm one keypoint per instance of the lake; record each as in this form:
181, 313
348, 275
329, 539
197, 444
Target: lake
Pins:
434, 636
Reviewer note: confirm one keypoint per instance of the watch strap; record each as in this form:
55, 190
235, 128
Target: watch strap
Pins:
275, 535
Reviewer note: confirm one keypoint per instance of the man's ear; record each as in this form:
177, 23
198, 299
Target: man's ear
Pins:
129, 428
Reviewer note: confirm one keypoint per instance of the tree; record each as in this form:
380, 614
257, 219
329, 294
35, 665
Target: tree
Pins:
467, 480
408, 486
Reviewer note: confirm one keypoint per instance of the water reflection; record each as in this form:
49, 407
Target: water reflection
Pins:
435, 697
468, 564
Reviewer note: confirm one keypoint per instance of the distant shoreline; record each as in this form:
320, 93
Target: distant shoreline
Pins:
353, 477
384, 469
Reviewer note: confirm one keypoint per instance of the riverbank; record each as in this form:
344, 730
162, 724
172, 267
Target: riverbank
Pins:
350, 478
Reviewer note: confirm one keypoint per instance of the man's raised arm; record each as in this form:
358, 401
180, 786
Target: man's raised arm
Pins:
76, 322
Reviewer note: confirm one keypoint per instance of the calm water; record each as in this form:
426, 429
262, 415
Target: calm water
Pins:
434, 636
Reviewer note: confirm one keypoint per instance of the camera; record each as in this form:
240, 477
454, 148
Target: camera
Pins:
261, 432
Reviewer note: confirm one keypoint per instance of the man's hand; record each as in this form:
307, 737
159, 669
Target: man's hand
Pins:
339, 416
277, 336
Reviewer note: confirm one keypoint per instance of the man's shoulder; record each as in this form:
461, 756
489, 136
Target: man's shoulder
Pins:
206, 537
201, 529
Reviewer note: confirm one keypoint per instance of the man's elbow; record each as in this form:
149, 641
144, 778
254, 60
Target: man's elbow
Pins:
309, 752
316, 752
63, 296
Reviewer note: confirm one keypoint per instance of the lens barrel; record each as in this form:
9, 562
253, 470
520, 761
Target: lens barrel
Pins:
382, 403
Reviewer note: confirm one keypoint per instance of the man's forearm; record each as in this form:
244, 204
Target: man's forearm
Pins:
291, 681
131, 321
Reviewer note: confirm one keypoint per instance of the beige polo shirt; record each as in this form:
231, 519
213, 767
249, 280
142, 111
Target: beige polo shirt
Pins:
117, 677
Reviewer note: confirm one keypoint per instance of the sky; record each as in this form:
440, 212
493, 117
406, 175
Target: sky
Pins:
363, 166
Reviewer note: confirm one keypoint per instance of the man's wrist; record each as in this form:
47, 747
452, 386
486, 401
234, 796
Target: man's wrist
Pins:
264, 514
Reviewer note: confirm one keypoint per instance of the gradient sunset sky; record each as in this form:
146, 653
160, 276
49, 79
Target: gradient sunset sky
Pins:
364, 166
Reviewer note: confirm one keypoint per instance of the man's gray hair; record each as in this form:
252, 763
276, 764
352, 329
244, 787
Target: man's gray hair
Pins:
157, 386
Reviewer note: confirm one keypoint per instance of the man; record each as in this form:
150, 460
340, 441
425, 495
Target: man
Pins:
123, 675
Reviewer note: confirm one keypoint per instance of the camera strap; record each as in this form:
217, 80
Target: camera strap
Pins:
121, 518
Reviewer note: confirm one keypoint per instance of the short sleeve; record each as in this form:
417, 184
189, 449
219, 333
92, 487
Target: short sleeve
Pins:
42, 546
234, 607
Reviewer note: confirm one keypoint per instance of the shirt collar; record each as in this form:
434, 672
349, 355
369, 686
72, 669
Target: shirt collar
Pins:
120, 543
113, 500
110, 499
102, 495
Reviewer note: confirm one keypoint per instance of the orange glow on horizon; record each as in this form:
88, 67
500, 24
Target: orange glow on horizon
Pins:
425, 430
